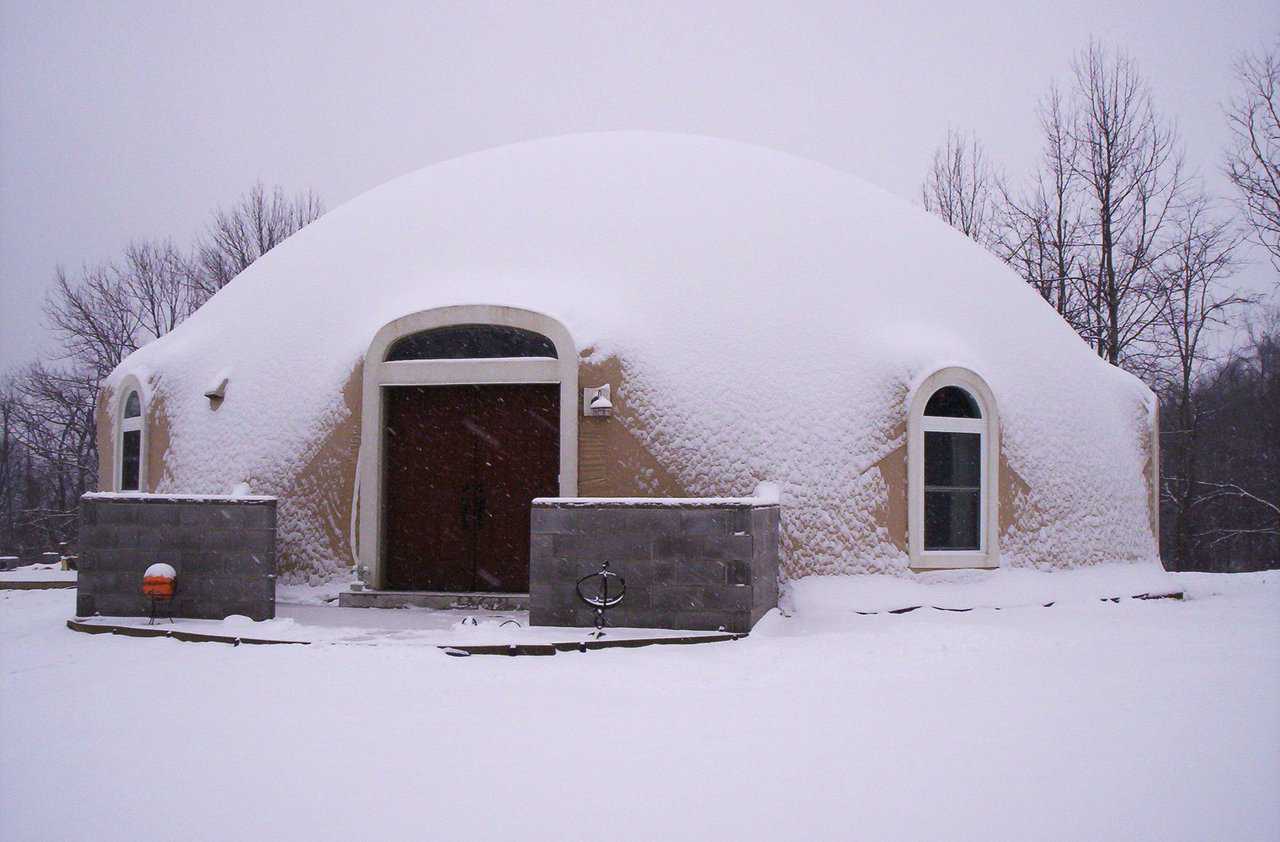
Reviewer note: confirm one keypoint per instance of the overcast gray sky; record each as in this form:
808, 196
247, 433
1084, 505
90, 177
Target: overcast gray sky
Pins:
134, 119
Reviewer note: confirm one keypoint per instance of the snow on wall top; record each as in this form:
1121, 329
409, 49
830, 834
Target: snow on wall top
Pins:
771, 313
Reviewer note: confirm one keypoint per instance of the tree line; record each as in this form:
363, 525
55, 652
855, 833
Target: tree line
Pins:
1119, 235
98, 316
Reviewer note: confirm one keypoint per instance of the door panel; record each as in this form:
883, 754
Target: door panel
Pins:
427, 543
519, 459
462, 464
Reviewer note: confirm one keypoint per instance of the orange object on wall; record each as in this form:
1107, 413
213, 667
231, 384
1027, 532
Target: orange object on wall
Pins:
158, 587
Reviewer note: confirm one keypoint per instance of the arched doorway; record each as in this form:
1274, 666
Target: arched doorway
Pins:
469, 413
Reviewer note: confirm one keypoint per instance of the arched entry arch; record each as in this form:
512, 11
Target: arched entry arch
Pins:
435, 358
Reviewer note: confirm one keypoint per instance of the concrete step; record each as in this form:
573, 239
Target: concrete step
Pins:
434, 599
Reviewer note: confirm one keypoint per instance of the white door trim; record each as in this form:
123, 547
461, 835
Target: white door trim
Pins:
378, 373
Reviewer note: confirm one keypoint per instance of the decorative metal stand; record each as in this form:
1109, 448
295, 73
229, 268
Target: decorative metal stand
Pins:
602, 597
158, 603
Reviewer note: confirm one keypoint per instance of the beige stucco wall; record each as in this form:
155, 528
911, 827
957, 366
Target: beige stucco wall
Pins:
611, 460
316, 508
106, 431
155, 440
892, 517
157, 443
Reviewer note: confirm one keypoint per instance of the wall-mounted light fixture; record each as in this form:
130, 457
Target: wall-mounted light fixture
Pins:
596, 403
217, 393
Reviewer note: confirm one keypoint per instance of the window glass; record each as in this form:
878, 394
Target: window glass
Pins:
952, 459
131, 457
132, 406
951, 520
461, 342
952, 402
952, 490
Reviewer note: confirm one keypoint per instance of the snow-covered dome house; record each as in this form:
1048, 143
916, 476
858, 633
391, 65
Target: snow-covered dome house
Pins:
422, 351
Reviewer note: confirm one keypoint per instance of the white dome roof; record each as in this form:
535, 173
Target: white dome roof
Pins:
772, 314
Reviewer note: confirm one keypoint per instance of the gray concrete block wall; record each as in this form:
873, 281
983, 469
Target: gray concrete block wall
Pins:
698, 566
223, 549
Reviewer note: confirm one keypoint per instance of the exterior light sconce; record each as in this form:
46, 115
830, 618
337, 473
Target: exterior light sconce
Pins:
596, 403
217, 393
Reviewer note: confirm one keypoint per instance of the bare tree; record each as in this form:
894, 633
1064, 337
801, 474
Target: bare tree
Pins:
48, 443
1041, 233
1128, 160
1237, 513
94, 317
54, 423
9, 464
1193, 299
111, 310
959, 186
160, 281
1253, 161
239, 235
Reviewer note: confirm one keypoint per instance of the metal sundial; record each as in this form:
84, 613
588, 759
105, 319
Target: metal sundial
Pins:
598, 591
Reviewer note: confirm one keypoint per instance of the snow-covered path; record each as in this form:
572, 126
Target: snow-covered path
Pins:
1088, 720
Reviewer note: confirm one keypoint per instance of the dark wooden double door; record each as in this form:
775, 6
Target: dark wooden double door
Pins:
462, 464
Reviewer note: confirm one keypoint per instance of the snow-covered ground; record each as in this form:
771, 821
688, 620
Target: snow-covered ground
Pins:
1088, 720
410, 626
38, 573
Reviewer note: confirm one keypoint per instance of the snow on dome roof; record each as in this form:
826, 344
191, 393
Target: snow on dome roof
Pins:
773, 312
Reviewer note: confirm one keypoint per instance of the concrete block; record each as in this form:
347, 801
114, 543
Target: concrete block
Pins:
547, 520
223, 551
541, 545
712, 521
260, 541
737, 598
677, 598
97, 536
197, 516
730, 547
573, 569
705, 567
701, 571
677, 546
604, 546
643, 520
260, 516
117, 514
158, 514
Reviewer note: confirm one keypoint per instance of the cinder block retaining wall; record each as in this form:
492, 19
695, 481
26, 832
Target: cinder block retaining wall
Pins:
223, 548
697, 564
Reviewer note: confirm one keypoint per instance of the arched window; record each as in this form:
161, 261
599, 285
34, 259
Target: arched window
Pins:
130, 462
469, 342
953, 464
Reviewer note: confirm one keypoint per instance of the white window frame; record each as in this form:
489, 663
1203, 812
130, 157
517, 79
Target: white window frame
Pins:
380, 373
130, 386
988, 427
